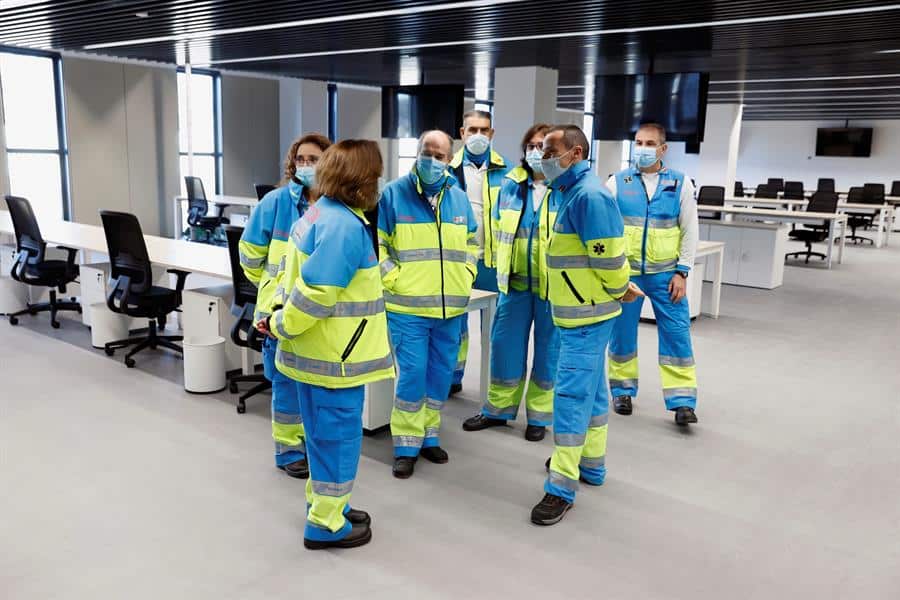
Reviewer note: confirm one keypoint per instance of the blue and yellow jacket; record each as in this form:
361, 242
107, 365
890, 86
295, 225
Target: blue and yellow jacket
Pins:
266, 241
490, 193
429, 258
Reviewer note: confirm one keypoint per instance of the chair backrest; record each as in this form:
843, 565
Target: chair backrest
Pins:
262, 189
825, 185
127, 250
895, 188
244, 290
738, 188
855, 195
777, 183
25, 225
712, 195
793, 190
765, 191
825, 202
197, 203
873, 193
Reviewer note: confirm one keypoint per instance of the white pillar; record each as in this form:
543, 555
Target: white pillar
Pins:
719, 150
523, 96
303, 108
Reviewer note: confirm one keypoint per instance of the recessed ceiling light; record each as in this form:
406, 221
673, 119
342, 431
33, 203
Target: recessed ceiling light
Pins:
142, 15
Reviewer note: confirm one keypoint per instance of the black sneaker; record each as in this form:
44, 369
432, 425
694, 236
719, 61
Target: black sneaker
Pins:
479, 422
435, 454
455, 389
684, 416
550, 510
298, 469
358, 517
535, 433
360, 535
622, 405
404, 467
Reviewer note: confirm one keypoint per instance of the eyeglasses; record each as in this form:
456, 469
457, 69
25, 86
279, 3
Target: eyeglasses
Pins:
533, 147
301, 161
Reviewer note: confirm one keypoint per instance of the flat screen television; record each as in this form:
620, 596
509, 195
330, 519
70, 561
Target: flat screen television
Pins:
408, 110
844, 141
675, 100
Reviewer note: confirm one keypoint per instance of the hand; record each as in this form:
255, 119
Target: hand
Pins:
633, 293
677, 288
263, 327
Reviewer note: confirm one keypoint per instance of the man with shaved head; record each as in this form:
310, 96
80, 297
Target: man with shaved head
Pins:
429, 260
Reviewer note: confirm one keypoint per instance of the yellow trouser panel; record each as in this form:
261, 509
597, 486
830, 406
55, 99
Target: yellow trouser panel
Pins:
325, 511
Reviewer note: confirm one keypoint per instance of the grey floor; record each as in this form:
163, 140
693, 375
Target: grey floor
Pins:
115, 483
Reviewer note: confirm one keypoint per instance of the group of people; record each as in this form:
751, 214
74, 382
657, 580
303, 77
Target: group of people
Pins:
358, 284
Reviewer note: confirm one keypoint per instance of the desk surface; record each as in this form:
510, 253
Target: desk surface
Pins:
781, 202
780, 214
705, 247
176, 254
221, 199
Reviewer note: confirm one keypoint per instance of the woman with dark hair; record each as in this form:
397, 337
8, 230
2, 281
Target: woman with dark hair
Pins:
263, 247
524, 217
332, 334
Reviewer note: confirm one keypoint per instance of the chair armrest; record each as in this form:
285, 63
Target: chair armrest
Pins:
181, 276
71, 254
122, 283
18, 269
221, 209
243, 324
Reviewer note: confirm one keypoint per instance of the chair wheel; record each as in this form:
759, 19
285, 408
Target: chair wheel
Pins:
54, 324
233, 387
129, 362
13, 320
241, 409
109, 351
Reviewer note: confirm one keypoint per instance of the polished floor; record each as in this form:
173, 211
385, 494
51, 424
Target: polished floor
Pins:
115, 483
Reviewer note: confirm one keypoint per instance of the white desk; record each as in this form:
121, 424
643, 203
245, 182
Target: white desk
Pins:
716, 251
217, 199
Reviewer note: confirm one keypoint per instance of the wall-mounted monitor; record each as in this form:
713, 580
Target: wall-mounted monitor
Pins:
675, 100
846, 141
408, 110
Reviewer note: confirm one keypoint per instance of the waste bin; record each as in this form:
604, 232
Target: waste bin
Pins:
106, 326
204, 364
13, 295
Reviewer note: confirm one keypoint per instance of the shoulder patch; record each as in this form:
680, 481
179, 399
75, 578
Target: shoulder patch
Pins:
628, 179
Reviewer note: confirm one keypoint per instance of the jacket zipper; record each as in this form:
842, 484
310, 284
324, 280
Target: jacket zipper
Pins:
646, 219
437, 221
512, 254
353, 341
569, 283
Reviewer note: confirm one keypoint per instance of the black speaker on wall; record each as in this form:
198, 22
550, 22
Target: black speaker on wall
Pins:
692, 147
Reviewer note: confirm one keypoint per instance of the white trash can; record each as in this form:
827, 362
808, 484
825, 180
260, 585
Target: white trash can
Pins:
204, 364
13, 295
106, 326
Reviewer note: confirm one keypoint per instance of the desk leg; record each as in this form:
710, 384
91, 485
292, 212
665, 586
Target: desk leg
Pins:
831, 232
879, 239
717, 283
176, 232
487, 323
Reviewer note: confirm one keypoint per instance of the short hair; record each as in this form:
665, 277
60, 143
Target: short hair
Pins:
573, 136
656, 127
481, 114
430, 131
349, 172
310, 138
537, 128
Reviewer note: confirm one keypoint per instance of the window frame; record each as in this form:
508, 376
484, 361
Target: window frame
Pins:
217, 153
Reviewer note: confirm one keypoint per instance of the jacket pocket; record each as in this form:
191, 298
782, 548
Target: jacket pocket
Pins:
572, 287
354, 339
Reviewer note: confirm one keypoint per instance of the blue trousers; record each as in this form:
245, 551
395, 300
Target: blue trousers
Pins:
676, 357
287, 423
425, 350
516, 311
580, 410
485, 280
333, 419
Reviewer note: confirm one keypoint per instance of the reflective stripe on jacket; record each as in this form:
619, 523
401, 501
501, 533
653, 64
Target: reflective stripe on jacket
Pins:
490, 192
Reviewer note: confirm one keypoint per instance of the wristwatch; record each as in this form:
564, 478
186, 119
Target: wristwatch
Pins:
684, 274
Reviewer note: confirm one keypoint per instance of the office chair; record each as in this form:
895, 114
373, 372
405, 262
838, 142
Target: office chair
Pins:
32, 266
738, 189
825, 185
825, 202
198, 208
133, 292
244, 305
711, 195
895, 188
857, 195
777, 183
766, 191
873, 193
793, 190
262, 189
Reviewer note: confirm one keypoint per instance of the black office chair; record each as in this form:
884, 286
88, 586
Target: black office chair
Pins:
857, 195
32, 267
776, 183
738, 189
243, 332
824, 202
895, 188
766, 191
133, 292
825, 185
262, 189
711, 195
873, 193
793, 190
198, 208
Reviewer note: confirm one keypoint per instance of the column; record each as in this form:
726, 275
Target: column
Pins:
523, 96
721, 143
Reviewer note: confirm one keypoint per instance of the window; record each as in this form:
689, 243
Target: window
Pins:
407, 155
333, 112
35, 136
484, 105
588, 128
205, 129
625, 156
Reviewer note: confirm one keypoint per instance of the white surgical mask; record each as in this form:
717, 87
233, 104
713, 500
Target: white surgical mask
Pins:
306, 175
551, 167
478, 144
533, 159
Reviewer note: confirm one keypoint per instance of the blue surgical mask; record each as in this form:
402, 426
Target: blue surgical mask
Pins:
429, 169
551, 167
533, 159
644, 156
478, 144
306, 175
294, 187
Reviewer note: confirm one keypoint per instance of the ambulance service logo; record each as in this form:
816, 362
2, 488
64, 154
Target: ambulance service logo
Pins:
599, 248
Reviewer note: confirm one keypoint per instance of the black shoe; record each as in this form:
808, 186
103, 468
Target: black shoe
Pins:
455, 389
404, 467
298, 469
685, 415
535, 433
358, 517
550, 510
360, 535
479, 422
622, 405
435, 454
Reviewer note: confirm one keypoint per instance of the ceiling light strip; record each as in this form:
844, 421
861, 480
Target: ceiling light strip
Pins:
805, 90
796, 79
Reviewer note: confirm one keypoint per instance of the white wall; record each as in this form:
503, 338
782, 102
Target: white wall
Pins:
250, 132
303, 108
787, 149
